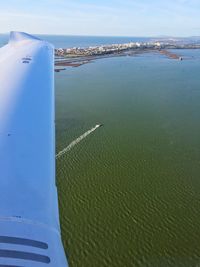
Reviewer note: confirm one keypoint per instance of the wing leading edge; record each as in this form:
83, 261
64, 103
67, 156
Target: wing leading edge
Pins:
29, 218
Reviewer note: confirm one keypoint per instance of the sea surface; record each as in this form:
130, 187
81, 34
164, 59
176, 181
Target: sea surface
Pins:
129, 192
60, 41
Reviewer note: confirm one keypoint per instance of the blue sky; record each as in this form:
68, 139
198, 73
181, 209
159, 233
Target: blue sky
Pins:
105, 17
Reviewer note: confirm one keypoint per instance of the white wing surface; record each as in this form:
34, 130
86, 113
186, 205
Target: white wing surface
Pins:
29, 218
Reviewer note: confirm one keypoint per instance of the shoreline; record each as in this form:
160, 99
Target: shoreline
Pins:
77, 61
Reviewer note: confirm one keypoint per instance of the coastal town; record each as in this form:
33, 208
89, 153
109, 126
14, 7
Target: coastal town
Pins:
77, 56
118, 48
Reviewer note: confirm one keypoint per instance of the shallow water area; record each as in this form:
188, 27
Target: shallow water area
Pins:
130, 192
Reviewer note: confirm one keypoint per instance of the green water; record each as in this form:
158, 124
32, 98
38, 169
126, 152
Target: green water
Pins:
129, 193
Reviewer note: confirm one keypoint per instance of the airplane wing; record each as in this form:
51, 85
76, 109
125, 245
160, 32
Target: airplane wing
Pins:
29, 217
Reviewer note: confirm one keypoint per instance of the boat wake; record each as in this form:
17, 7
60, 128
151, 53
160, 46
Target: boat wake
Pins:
76, 141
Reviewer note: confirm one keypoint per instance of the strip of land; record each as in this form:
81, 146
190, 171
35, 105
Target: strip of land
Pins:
76, 56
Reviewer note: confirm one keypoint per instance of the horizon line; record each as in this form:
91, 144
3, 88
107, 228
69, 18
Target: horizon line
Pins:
112, 36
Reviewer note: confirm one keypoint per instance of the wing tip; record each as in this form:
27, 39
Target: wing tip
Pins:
17, 37
21, 36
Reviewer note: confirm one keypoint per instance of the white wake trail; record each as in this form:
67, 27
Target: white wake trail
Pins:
76, 141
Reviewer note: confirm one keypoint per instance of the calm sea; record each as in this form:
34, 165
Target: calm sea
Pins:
129, 193
79, 41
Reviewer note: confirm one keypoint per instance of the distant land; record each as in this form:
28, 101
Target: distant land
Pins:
78, 56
